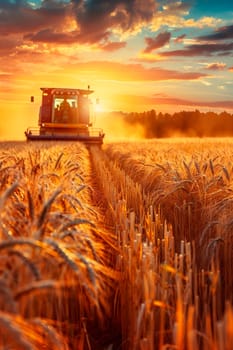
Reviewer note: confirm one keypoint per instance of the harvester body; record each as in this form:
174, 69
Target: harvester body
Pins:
65, 115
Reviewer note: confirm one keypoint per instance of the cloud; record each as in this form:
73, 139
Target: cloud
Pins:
222, 33
184, 102
207, 45
100, 24
20, 17
223, 49
148, 58
77, 22
97, 19
176, 7
180, 38
216, 66
162, 99
155, 43
173, 14
8, 45
71, 38
113, 45
49, 35
175, 21
77, 71
107, 70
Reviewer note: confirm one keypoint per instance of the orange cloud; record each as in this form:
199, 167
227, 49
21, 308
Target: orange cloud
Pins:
108, 70
112, 46
216, 66
161, 99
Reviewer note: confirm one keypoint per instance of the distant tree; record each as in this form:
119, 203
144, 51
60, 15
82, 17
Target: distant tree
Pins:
186, 123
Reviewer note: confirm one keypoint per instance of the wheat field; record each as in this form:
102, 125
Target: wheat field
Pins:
128, 246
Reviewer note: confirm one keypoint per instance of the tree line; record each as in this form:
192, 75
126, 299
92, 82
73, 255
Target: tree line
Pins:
184, 123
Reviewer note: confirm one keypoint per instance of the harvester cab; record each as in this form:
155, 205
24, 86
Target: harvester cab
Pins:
65, 115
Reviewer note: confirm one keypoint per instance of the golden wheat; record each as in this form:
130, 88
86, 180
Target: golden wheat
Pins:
187, 185
128, 246
54, 263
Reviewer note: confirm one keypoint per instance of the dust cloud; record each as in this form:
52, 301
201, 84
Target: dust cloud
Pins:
117, 129
14, 120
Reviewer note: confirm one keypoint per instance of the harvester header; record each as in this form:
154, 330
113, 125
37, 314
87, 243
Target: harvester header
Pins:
65, 115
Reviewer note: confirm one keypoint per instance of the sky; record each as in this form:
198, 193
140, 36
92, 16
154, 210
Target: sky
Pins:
136, 55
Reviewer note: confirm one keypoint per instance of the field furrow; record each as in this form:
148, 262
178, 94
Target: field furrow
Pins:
55, 269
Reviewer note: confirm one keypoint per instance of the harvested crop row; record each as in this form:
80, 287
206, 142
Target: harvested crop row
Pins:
55, 279
192, 183
164, 298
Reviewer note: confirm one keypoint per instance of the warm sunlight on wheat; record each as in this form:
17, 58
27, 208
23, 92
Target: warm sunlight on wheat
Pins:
124, 247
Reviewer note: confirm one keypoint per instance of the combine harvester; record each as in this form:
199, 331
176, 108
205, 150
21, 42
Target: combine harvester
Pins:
65, 115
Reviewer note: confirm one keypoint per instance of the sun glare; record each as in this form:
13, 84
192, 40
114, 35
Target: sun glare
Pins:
99, 107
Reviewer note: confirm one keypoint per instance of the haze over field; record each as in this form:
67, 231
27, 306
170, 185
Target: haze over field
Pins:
136, 55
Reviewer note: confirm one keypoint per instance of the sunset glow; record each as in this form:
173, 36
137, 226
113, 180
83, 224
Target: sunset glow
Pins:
136, 55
